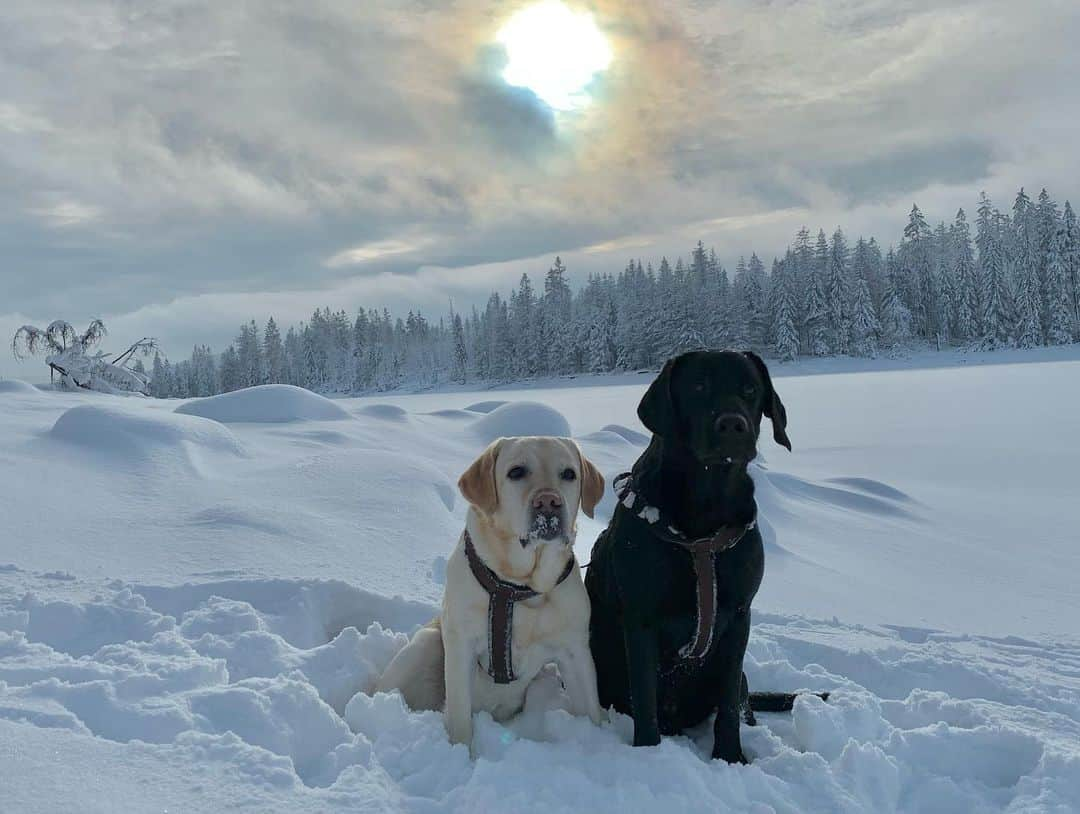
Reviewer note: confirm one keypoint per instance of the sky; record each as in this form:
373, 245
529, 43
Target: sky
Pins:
181, 166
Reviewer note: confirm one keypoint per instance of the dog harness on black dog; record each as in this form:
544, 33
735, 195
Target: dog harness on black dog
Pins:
702, 550
502, 596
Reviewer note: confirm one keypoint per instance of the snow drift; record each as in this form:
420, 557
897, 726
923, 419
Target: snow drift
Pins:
142, 437
17, 386
267, 403
521, 418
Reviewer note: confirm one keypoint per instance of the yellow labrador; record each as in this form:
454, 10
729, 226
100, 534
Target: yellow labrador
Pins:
514, 599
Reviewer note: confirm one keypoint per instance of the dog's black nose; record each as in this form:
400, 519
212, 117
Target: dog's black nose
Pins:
732, 423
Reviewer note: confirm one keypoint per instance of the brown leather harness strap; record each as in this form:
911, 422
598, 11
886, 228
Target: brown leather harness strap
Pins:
502, 596
702, 552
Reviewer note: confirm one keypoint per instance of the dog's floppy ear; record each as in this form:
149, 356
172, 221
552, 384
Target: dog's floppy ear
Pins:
657, 410
774, 408
477, 485
592, 485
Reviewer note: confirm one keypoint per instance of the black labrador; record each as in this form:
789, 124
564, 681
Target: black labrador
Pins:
673, 575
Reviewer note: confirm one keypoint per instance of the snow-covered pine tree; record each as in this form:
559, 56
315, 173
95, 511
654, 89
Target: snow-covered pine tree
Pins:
757, 318
865, 326
838, 296
293, 360
800, 272
159, 383
817, 318
1027, 330
896, 328
1059, 298
949, 299
721, 324
1070, 253
945, 284
557, 313
1027, 327
250, 355
601, 338
273, 353
1044, 227
340, 351
360, 339
740, 316
202, 372
784, 324
480, 348
683, 334
230, 371
525, 329
181, 380
994, 294
916, 266
460, 359
497, 317
815, 306
629, 330
968, 299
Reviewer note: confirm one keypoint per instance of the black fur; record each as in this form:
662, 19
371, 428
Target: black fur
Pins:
642, 587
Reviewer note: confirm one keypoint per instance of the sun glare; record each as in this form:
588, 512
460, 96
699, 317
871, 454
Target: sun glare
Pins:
555, 52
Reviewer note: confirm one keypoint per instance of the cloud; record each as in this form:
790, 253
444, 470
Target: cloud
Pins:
66, 213
359, 255
255, 154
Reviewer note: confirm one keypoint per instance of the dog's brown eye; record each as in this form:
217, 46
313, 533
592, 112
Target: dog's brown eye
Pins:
750, 391
517, 473
568, 474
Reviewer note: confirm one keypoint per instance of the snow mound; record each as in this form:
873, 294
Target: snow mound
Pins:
455, 414
267, 403
521, 418
383, 412
16, 386
485, 406
879, 500
636, 438
144, 436
873, 487
606, 438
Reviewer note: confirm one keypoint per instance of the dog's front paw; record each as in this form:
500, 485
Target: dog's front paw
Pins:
730, 756
460, 732
648, 737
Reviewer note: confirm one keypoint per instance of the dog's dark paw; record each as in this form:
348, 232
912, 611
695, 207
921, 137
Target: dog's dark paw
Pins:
748, 716
646, 739
730, 755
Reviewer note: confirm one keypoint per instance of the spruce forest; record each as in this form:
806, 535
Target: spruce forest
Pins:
1007, 279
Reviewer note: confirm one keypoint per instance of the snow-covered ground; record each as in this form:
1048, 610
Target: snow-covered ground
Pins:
193, 601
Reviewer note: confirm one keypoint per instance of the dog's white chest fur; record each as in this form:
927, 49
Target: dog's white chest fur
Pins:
543, 629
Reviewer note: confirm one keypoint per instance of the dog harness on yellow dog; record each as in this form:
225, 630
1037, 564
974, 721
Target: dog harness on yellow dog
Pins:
702, 550
502, 596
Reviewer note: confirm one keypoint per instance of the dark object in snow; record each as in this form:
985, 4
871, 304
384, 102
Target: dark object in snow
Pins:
657, 658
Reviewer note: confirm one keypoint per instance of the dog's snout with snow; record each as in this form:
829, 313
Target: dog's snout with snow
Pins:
548, 515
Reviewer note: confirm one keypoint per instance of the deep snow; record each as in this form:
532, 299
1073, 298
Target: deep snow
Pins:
191, 605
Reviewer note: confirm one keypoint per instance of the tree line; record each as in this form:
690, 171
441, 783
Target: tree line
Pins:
1014, 282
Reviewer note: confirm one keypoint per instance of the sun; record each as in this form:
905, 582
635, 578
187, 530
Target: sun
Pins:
555, 52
